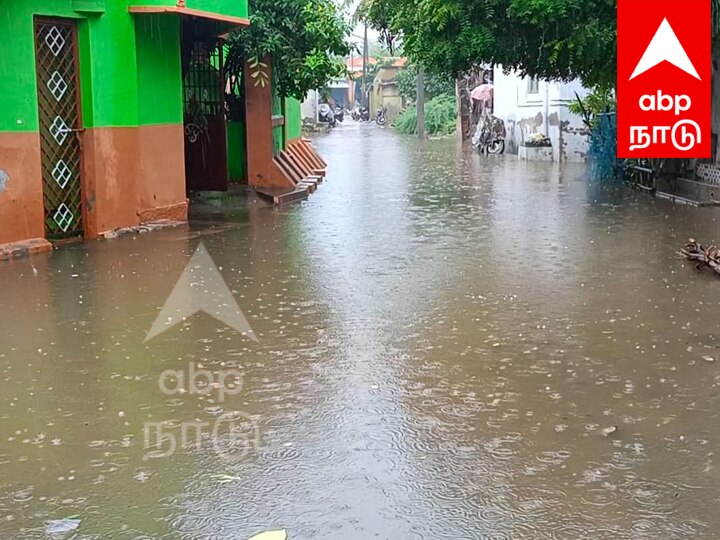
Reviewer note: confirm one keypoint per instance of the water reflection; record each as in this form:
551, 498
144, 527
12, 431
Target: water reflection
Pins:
443, 339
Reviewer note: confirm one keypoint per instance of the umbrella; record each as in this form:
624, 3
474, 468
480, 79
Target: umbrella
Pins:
484, 92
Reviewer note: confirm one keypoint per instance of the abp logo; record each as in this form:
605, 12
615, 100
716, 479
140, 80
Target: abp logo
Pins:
664, 79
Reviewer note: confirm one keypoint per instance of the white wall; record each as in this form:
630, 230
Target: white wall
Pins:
527, 113
308, 108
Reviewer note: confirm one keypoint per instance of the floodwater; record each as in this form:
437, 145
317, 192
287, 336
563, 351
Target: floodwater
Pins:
446, 343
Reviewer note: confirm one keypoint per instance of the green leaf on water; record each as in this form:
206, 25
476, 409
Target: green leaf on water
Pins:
271, 535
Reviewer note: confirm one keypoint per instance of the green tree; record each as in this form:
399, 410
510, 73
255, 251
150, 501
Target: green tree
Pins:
435, 85
307, 40
552, 39
558, 39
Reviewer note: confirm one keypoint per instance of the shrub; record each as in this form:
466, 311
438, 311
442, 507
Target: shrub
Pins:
440, 117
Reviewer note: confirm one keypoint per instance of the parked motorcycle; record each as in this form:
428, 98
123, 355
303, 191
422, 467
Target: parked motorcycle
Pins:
381, 116
327, 115
489, 137
361, 114
339, 113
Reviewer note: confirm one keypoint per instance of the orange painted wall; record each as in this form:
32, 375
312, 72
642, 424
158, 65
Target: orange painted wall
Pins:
261, 169
161, 188
110, 175
130, 175
21, 199
133, 175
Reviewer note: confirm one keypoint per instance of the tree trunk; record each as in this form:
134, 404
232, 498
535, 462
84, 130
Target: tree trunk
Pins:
365, 63
459, 127
421, 103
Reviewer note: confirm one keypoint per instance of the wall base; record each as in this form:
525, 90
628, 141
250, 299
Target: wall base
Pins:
17, 250
173, 212
535, 153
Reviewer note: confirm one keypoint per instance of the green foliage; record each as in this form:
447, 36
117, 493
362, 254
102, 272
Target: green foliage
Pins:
435, 85
551, 39
599, 100
554, 39
440, 117
306, 39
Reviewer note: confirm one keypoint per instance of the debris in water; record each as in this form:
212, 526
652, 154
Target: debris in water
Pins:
271, 535
62, 526
225, 478
609, 431
708, 358
703, 257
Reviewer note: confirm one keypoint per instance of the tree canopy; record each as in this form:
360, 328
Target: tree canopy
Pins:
435, 85
306, 39
551, 39
556, 39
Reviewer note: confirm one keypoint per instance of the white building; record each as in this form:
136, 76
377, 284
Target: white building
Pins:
529, 106
309, 107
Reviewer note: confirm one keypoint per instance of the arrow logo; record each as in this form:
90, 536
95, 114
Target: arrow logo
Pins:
201, 287
665, 46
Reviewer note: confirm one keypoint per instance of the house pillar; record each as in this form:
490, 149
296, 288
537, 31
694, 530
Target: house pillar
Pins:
262, 171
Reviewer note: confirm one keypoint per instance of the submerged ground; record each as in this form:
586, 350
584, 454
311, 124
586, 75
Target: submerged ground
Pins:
446, 342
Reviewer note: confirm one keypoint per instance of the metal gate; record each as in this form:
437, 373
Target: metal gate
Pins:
204, 108
60, 125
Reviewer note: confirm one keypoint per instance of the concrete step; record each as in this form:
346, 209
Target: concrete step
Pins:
284, 196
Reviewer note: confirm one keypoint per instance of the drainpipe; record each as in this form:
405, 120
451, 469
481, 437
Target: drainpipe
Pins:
546, 111
546, 107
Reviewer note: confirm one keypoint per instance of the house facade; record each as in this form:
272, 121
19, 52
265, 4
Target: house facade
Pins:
530, 107
386, 93
114, 109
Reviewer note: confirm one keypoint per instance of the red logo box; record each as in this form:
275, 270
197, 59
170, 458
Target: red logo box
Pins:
664, 79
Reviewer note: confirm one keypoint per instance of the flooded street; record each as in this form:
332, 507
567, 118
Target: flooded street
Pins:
446, 343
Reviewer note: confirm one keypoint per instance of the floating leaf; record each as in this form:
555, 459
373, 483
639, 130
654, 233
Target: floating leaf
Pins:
225, 478
271, 535
609, 431
62, 526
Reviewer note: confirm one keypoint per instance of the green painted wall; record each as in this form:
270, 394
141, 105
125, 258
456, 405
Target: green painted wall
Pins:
160, 94
129, 64
293, 119
236, 151
112, 68
17, 61
233, 8
107, 63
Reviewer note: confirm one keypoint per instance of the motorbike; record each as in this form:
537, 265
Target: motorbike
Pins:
489, 137
327, 115
381, 116
339, 113
361, 114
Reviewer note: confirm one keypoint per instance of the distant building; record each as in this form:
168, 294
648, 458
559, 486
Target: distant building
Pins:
531, 107
385, 92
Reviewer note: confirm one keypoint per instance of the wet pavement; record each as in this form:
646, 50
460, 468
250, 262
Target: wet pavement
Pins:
446, 342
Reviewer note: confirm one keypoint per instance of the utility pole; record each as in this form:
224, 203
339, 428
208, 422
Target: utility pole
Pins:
421, 102
365, 63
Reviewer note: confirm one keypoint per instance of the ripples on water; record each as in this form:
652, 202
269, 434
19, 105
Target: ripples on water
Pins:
443, 340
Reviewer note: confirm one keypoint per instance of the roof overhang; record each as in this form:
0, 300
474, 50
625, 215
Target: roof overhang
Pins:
180, 10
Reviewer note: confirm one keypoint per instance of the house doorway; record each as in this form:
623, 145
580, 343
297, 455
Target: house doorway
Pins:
204, 111
60, 126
